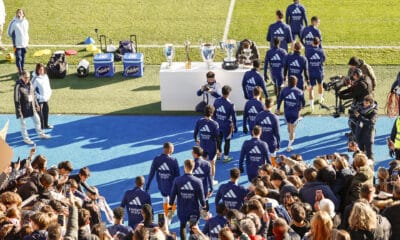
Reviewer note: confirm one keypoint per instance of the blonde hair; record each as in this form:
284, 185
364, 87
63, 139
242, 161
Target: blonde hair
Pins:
319, 163
360, 160
362, 217
321, 226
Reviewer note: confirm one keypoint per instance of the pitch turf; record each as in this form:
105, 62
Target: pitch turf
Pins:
162, 21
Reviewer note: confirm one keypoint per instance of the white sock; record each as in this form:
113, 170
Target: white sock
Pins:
290, 143
311, 102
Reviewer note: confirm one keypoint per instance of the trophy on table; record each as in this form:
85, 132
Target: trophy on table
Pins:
188, 64
230, 61
169, 53
207, 51
247, 54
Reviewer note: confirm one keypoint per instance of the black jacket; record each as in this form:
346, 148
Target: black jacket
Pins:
358, 90
365, 123
24, 99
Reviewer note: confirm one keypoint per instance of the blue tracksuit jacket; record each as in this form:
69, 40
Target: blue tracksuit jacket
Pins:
167, 169
295, 17
282, 31
251, 109
225, 116
256, 153
207, 131
307, 36
188, 190
269, 123
213, 226
251, 79
316, 58
133, 201
202, 170
297, 65
294, 101
275, 59
232, 195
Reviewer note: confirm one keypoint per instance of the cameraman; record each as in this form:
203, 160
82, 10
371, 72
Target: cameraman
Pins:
212, 90
360, 86
366, 69
365, 118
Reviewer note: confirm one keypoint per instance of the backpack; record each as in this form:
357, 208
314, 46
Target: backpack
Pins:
57, 66
125, 46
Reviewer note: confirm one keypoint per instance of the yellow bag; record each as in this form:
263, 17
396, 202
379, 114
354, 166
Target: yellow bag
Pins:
10, 57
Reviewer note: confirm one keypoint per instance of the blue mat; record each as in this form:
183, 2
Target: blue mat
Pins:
119, 148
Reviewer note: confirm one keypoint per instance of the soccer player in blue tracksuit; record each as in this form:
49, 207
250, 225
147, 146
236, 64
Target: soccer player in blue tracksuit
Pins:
275, 59
214, 225
251, 109
297, 65
295, 17
202, 170
232, 194
133, 201
206, 133
167, 169
252, 79
269, 124
188, 189
309, 33
281, 31
225, 116
294, 102
316, 58
255, 152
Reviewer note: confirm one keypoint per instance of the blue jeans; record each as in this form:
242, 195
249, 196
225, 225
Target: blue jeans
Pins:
20, 59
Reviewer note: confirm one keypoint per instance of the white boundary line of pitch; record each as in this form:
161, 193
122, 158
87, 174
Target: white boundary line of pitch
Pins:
228, 20
181, 46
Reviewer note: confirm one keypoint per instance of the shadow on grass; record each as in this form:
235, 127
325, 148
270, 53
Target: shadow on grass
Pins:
9, 77
147, 88
152, 109
74, 82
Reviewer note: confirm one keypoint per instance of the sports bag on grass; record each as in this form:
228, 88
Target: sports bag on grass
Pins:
57, 66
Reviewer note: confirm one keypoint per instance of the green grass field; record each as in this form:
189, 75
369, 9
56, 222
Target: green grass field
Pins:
343, 23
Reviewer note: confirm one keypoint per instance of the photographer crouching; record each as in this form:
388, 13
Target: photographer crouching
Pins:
359, 86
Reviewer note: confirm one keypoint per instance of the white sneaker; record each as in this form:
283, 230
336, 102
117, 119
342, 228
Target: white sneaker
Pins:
44, 136
215, 182
289, 149
29, 141
321, 100
312, 108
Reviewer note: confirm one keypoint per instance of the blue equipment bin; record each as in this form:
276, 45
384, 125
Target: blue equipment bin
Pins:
104, 65
133, 64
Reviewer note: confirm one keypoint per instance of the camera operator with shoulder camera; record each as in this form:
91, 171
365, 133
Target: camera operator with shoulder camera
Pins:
359, 87
210, 91
365, 118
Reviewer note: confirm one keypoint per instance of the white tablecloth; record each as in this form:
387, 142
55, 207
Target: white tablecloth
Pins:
178, 86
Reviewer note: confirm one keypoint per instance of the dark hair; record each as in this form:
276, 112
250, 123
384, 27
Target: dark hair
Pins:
66, 165
83, 217
46, 180
369, 99
314, 18
119, 212
354, 61
278, 174
84, 172
148, 214
256, 63
168, 145
269, 102
38, 66
292, 81
297, 46
221, 209
279, 14
39, 163
210, 74
277, 42
257, 91
234, 173
226, 90
54, 232
316, 41
197, 150
139, 181
256, 130
298, 212
310, 174
209, 111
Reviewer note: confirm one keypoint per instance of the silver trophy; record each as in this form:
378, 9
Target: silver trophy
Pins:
230, 61
207, 51
247, 54
169, 52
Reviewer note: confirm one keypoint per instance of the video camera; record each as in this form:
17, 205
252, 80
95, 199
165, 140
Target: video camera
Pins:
336, 83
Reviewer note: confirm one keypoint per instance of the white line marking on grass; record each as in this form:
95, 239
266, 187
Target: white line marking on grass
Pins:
228, 20
181, 46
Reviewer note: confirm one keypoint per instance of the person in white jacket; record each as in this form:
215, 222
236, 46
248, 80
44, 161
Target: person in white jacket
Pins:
2, 21
18, 31
41, 83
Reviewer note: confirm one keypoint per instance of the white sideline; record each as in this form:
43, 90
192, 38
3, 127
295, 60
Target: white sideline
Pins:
228, 20
181, 46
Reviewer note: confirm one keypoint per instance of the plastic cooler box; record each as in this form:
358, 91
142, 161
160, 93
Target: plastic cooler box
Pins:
104, 65
133, 64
